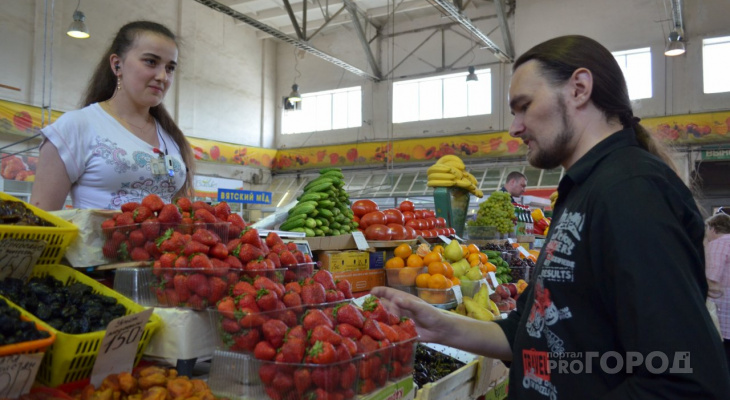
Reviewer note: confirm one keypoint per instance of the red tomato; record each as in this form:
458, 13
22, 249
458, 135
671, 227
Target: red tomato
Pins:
419, 233
429, 214
410, 232
406, 206
394, 216
431, 222
418, 214
432, 232
407, 216
362, 207
442, 231
371, 218
398, 231
452, 231
378, 232
355, 218
440, 222
415, 224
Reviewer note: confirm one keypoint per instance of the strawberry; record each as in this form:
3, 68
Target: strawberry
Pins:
266, 300
274, 259
272, 392
153, 202
343, 354
251, 236
198, 284
218, 289
233, 231
348, 375
251, 319
321, 353
197, 302
184, 204
274, 331
247, 340
324, 277
234, 246
201, 205
152, 249
219, 251
326, 378
139, 254
307, 258
204, 216
130, 206
292, 299
230, 326
118, 237
169, 214
313, 293
273, 238
264, 351
108, 227
332, 296
125, 222
267, 371
302, 379
277, 248
222, 211
193, 247
167, 260
349, 314
237, 221
350, 344
297, 331
171, 241
293, 287
372, 329
408, 326
315, 317
262, 282
283, 382
248, 301
142, 214
349, 331
291, 246
366, 386
201, 261
170, 298
243, 287
396, 369
287, 316
390, 333
226, 307
293, 350
181, 262
249, 252
299, 256
206, 237
324, 333
377, 311
345, 287
233, 262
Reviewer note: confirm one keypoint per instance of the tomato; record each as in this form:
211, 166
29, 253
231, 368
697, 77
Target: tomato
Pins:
355, 218
442, 231
398, 231
362, 207
371, 218
429, 214
452, 231
431, 222
415, 224
411, 233
394, 216
440, 222
418, 214
406, 206
432, 232
378, 232
407, 216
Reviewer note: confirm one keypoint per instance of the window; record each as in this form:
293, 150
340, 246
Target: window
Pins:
446, 96
325, 111
715, 59
636, 66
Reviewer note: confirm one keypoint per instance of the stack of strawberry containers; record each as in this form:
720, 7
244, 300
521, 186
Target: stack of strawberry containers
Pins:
307, 339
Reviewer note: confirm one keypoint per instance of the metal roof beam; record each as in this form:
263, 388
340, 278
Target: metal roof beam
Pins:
352, 9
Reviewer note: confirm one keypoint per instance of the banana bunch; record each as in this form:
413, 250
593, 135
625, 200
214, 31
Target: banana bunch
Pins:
449, 171
479, 307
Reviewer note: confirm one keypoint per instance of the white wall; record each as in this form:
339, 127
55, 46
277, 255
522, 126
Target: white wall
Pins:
618, 24
223, 88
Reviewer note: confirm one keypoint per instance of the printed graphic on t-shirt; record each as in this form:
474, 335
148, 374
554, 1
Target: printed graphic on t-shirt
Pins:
543, 314
112, 154
558, 265
536, 376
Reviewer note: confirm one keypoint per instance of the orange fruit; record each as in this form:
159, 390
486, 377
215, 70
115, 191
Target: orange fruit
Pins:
438, 248
436, 267
403, 251
483, 269
483, 258
414, 260
491, 267
473, 249
448, 270
407, 276
474, 259
464, 251
438, 281
422, 280
455, 281
431, 257
395, 262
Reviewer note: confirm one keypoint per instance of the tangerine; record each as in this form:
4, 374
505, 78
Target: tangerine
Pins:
491, 267
438, 248
437, 267
474, 259
456, 281
403, 251
464, 251
414, 260
431, 257
422, 280
473, 249
483, 258
395, 262
448, 270
438, 281
407, 276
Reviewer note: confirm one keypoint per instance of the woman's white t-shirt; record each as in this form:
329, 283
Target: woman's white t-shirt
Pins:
109, 165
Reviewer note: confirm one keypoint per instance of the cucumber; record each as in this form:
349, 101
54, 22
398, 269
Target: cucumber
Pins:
289, 225
320, 187
326, 212
315, 196
302, 210
329, 169
309, 232
345, 228
335, 225
335, 232
310, 223
326, 203
318, 232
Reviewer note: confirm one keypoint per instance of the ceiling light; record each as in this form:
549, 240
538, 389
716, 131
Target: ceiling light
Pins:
472, 77
675, 45
78, 28
294, 96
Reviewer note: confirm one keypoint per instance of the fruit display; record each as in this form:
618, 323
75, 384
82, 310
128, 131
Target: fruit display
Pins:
503, 297
402, 223
480, 306
135, 233
147, 383
15, 330
71, 309
16, 213
497, 210
541, 222
431, 365
450, 171
323, 209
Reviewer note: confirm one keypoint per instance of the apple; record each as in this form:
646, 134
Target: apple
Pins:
512, 289
495, 297
503, 291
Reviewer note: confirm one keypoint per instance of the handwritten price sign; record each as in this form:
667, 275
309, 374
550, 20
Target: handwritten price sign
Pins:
119, 346
17, 374
18, 256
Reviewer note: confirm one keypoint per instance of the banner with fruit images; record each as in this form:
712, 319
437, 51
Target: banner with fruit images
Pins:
210, 150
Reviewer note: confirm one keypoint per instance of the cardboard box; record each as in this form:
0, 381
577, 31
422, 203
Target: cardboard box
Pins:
362, 280
341, 261
341, 242
377, 259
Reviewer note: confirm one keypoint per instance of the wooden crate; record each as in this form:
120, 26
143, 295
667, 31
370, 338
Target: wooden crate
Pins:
468, 382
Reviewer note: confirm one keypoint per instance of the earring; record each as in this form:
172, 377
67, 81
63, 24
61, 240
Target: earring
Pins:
119, 83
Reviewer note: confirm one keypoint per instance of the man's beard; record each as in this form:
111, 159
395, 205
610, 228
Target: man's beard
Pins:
553, 154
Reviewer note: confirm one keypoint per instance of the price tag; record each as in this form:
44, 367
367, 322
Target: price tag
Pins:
360, 241
457, 294
444, 239
17, 373
458, 239
492, 279
119, 346
18, 256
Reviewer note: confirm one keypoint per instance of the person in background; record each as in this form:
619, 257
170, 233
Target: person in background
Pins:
515, 184
717, 268
123, 144
616, 306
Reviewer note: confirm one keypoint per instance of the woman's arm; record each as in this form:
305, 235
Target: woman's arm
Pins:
52, 184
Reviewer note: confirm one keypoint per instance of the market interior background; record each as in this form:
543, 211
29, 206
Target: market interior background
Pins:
232, 76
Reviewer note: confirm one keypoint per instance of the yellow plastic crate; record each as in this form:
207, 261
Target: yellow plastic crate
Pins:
33, 346
72, 357
57, 237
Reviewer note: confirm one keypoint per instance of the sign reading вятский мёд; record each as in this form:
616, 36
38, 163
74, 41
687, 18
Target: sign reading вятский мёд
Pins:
244, 196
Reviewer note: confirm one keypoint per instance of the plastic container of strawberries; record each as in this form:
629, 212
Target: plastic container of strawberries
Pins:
299, 271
